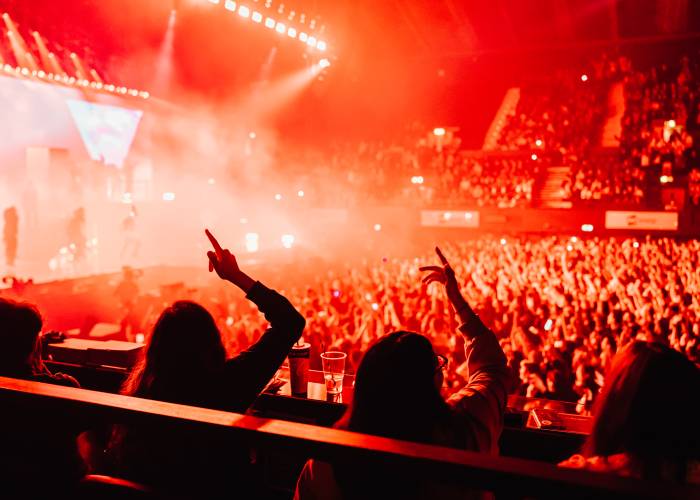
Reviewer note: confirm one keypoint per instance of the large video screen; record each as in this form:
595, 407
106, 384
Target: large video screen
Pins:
87, 124
107, 131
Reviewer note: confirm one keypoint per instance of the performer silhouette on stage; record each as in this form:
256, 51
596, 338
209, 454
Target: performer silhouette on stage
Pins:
76, 234
127, 292
130, 247
9, 235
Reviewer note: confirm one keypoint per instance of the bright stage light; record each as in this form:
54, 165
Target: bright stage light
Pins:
503, 241
243, 11
278, 197
280, 28
584, 77
252, 135
538, 143
468, 215
287, 240
635, 244
321, 45
447, 215
671, 123
587, 228
417, 179
230, 5
303, 37
168, 196
215, 2
324, 63
300, 193
270, 23
439, 131
311, 42
377, 227
251, 242
257, 17
291, 33
533, 157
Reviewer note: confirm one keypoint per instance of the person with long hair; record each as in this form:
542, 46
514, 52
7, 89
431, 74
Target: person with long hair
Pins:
645, 419
33, 444
397, 395
185, 362
20, 356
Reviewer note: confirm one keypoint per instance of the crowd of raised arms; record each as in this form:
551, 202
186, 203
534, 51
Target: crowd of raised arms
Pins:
560, 307
561, 122
567, 315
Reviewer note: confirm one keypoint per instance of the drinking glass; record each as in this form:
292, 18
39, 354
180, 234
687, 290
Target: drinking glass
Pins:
333, 363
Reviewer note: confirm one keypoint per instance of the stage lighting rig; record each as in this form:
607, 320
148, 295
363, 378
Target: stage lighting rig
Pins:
245, 11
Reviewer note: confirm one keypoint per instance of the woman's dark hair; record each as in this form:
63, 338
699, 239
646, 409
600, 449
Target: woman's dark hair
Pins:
20, 325
646, 410
395, 393
396, 397
184, 350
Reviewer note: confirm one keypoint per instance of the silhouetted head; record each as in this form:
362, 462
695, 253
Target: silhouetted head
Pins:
183, 352
397, 389
648, 409
20, 325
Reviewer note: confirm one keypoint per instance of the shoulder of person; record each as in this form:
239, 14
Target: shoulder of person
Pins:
317, 480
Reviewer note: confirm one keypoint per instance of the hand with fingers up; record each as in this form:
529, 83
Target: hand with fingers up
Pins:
224, 263
445, 275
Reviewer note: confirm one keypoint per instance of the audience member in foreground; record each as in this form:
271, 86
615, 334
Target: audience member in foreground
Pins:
185, 362
646, 417
20, 356
33, 446
397, 395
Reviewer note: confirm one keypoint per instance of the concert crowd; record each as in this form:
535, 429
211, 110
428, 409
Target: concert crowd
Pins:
561, 307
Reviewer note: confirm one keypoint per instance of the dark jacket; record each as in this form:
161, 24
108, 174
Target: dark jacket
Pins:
193, 463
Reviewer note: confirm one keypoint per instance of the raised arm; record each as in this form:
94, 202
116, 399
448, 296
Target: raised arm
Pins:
483, 400
247, 373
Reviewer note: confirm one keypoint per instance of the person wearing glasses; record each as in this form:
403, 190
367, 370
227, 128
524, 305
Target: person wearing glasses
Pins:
397, 395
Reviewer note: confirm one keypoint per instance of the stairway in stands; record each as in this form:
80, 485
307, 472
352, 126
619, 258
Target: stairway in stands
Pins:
548, 191
506, 109
612, 130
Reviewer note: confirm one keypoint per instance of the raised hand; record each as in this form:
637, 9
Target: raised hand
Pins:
446, 276
224, 263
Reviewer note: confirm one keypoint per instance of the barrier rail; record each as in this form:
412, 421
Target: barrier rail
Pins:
500, 474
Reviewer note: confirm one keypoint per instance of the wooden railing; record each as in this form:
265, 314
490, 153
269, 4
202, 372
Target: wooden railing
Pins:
500, 474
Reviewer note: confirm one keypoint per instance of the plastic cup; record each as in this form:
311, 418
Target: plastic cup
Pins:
299, 368
333, 363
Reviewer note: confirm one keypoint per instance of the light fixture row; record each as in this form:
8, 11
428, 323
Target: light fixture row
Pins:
72, 81
280, 27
